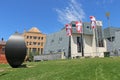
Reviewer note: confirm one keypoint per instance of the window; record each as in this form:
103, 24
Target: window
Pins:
39, 43
34, 37
78, 44
41, 50
101, 43
30, 43
73, 25
34, 49
34, 43
41, 38
30, 37
38, 38
27, 37
111, 39
88, 27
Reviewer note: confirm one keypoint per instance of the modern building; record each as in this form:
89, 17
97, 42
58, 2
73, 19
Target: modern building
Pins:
116, 44
35, 41
90, 43
2, 51
111, 35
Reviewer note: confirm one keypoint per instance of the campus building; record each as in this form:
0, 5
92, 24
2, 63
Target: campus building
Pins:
2, 51
111, 35
90, 43
35, 41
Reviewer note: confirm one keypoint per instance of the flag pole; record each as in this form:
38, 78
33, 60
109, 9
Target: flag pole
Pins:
82, 42
69, 52
96, 38
108, 18
69, 33
79, 28
94, 26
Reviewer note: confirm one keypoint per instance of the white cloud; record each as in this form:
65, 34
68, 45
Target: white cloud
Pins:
72, 12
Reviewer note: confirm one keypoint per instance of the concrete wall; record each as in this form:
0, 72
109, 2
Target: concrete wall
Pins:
54, 56
74, 52
88, 45
90, 48
101, 50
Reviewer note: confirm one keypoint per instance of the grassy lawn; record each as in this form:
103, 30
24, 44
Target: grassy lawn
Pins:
75, 69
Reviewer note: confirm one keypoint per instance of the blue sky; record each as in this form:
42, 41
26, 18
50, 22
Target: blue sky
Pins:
50, 15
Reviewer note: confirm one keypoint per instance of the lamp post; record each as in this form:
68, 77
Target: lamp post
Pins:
108, 18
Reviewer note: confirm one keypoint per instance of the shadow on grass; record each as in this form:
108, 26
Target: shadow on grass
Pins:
3, 74
23, 66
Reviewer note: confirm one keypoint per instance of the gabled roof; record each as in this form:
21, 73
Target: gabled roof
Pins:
34, 29
2, 42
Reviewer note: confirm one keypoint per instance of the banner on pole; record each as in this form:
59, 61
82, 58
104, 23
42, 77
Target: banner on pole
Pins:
93, 22
68, 29
79, 26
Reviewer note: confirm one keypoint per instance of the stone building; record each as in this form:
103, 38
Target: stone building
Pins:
35, 41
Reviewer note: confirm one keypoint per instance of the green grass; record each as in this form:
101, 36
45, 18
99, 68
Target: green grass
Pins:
75, 69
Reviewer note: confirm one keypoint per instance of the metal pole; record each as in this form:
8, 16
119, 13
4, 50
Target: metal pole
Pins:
69, 50
96, 39
108, 18
82, 42
82, 45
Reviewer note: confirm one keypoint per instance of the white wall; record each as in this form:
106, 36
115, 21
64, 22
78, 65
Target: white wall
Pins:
74, 45
89, 46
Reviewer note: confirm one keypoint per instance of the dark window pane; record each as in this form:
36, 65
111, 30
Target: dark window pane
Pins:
78, 44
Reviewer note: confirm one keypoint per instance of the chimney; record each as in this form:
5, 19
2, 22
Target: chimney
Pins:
2, 39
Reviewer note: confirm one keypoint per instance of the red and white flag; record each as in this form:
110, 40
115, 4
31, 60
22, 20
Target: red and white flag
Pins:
79, 26
93, 22
68, 29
